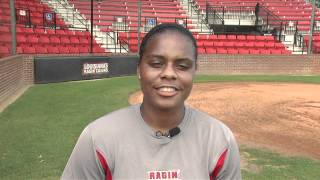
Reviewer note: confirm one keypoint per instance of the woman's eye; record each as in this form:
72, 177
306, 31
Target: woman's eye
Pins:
156, 64
183, 66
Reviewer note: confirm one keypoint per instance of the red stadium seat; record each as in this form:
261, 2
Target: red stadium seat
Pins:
74, 40
29, 50
21, 39
65, 40
28, 30
54, 40
265, 51
232, 51
231, 37
83, 49
43, 39
73, 50
83, 40
249, 44
243, 51
199, 43
5, 37
50, 31
60, 32
258, 44
251, 38
254, 51
98, 50
39, 31
222, 51
63, 50
53, 50
41, 49
239, 44
260, 38
218, 44
4, 50
228, 44
241, 37
33, 39
222, 36
211, 50
208, 43
4, 29
269, 44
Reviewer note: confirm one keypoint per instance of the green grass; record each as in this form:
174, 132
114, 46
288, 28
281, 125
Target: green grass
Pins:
258, 78
39, 130
268, 165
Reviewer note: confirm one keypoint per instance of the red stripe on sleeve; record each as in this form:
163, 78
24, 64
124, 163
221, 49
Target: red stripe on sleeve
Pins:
219, 165
108, 175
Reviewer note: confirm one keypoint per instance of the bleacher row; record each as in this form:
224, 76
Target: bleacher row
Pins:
165, 11
293, 12
315, 41
213, 44
39, 40
43, 41
36, 11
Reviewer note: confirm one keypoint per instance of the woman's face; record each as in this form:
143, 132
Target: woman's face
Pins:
166, 70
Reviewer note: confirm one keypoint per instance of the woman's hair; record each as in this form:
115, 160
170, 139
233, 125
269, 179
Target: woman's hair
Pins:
167, 27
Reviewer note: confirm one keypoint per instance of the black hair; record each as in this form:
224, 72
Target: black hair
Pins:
165, 27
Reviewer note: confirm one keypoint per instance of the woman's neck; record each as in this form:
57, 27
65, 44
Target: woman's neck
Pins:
162, 120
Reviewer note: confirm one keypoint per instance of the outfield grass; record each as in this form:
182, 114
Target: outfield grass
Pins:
39, 130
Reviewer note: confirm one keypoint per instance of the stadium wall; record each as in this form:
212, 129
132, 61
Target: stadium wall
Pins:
259, 64
16, 75
17, 72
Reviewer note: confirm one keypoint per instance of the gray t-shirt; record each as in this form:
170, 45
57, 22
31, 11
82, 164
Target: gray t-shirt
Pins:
120, 145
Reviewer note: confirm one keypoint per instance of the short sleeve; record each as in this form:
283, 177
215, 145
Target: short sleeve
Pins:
231, 162
84, 161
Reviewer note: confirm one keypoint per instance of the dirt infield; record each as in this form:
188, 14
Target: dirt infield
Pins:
277, 116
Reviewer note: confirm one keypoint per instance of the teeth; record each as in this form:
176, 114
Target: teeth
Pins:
167, 89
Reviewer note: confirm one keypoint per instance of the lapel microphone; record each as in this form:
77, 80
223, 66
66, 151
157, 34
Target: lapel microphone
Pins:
172, 132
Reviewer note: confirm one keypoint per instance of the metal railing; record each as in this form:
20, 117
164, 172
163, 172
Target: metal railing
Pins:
71, 14
121, 47
193, 7
271, 23
233, 12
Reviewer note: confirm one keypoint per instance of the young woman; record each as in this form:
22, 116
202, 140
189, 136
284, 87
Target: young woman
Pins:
160, 138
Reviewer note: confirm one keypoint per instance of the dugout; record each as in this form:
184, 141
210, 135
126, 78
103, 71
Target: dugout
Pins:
60, 69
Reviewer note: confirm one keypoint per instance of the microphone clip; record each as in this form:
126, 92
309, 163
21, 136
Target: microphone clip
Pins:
171, 133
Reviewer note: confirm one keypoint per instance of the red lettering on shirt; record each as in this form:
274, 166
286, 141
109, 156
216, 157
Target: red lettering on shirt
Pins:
151, 175
167, 175
164, 175
174, 174
158, 175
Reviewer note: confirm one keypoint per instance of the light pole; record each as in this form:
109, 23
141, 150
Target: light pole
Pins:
311, 26
139, 23
91, 28
13, 28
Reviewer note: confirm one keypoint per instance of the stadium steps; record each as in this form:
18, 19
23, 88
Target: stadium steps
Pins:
199, 27
289, 44
70, 15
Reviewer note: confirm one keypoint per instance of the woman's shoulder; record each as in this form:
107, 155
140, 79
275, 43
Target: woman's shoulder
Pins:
115, 120
207, 122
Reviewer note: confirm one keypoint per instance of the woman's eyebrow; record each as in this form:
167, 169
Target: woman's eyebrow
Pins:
155, 56
185, 59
